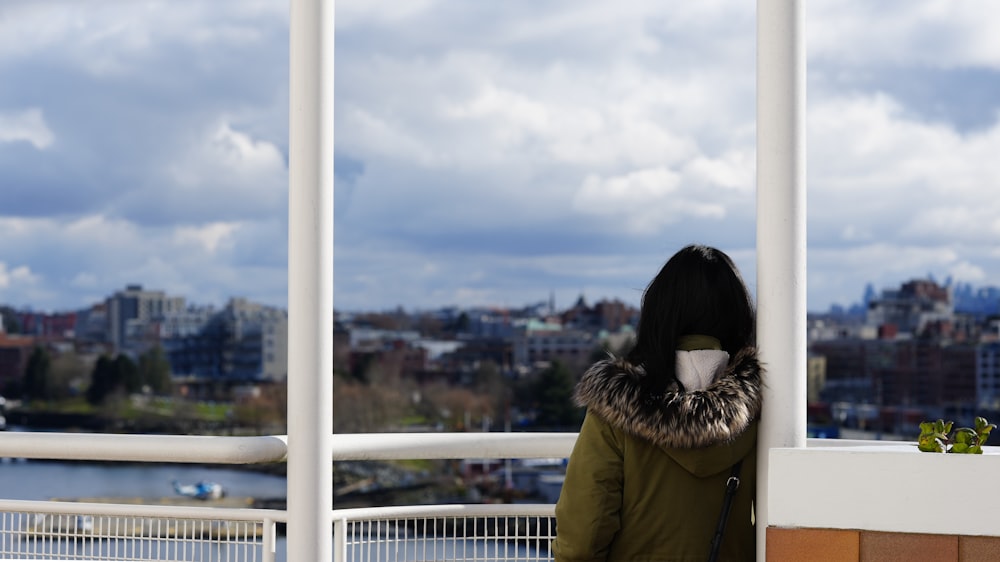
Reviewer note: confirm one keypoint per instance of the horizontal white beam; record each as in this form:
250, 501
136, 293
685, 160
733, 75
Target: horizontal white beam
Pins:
154, 511
388, 446
274, 448
445, 510
144, 448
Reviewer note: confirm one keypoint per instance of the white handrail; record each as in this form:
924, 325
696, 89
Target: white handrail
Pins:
45, 537
446, 510
140, 510
388, 446
144, 448
273, 448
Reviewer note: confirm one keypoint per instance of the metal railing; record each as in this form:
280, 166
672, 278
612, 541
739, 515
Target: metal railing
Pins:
507, 532
96, 531
99, 531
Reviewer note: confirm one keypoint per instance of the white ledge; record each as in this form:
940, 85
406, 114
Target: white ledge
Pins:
884, 487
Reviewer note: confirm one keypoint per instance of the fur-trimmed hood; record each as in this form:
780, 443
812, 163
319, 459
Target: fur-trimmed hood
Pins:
613, 389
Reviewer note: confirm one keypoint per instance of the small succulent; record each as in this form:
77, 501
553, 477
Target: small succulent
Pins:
937, 437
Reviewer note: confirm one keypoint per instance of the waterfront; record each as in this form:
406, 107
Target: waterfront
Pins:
45, 480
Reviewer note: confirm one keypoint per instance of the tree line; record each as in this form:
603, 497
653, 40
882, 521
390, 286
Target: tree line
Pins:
377, 395
65, 375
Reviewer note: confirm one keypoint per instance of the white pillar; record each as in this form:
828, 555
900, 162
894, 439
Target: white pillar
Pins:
310, 282
781, 235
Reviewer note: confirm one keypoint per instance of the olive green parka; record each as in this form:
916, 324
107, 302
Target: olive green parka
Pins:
647, 476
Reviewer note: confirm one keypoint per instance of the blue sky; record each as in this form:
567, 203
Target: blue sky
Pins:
487, 153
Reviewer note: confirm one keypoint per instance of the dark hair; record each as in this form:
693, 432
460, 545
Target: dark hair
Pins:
698, 291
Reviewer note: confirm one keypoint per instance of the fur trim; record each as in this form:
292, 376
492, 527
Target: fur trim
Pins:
613, 390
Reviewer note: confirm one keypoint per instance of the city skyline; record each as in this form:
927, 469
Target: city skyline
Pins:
976, 296
486, 154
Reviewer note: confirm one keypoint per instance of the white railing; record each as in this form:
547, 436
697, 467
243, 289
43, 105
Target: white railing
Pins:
96, 531
507, 532
144, 448
408, 446
99, 531
519, 532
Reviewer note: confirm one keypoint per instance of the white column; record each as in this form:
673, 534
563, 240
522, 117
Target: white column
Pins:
310, 282
781, 235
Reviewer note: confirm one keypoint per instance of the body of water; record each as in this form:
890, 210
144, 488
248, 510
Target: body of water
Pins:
43, 480
46, 480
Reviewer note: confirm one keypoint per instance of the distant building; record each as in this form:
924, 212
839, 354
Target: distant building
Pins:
490, 323
244, 341
475, 351
605, 315
44, 325
988, 375
134, 315
815, 377
538, 341
185, 322
901, 372
916, 306
92, 325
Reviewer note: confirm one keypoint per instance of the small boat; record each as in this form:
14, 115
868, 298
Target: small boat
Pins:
203, 490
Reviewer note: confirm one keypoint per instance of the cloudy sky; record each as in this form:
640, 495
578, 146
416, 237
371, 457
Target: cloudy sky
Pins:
487, 153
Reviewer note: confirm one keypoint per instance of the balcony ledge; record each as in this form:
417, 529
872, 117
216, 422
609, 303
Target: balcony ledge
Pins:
883, 486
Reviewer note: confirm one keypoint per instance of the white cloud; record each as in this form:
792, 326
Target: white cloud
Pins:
27, 125
221, 171
921, 32
207, 237
887, 174
642, 202
954, 222
733, 170
968, 272
488, 140
109, 38
387, 12
20, 275
91, 256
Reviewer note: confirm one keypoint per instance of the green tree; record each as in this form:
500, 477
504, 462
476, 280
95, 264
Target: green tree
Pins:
67, 376
110, 376
128, 374
492, 386
554, 398
154, 371
102, 380
37, 375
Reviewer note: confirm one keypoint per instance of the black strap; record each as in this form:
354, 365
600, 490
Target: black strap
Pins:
731, 486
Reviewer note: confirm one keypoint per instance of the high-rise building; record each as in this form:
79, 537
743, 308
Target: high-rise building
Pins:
244, 341
912, 307
988, 375
133, 317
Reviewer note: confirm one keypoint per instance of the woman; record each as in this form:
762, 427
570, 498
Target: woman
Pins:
667, 423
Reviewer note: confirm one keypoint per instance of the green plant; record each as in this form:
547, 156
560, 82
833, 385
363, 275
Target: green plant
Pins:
937, 437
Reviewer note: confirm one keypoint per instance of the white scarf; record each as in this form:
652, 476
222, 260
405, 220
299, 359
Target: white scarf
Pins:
698, 368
